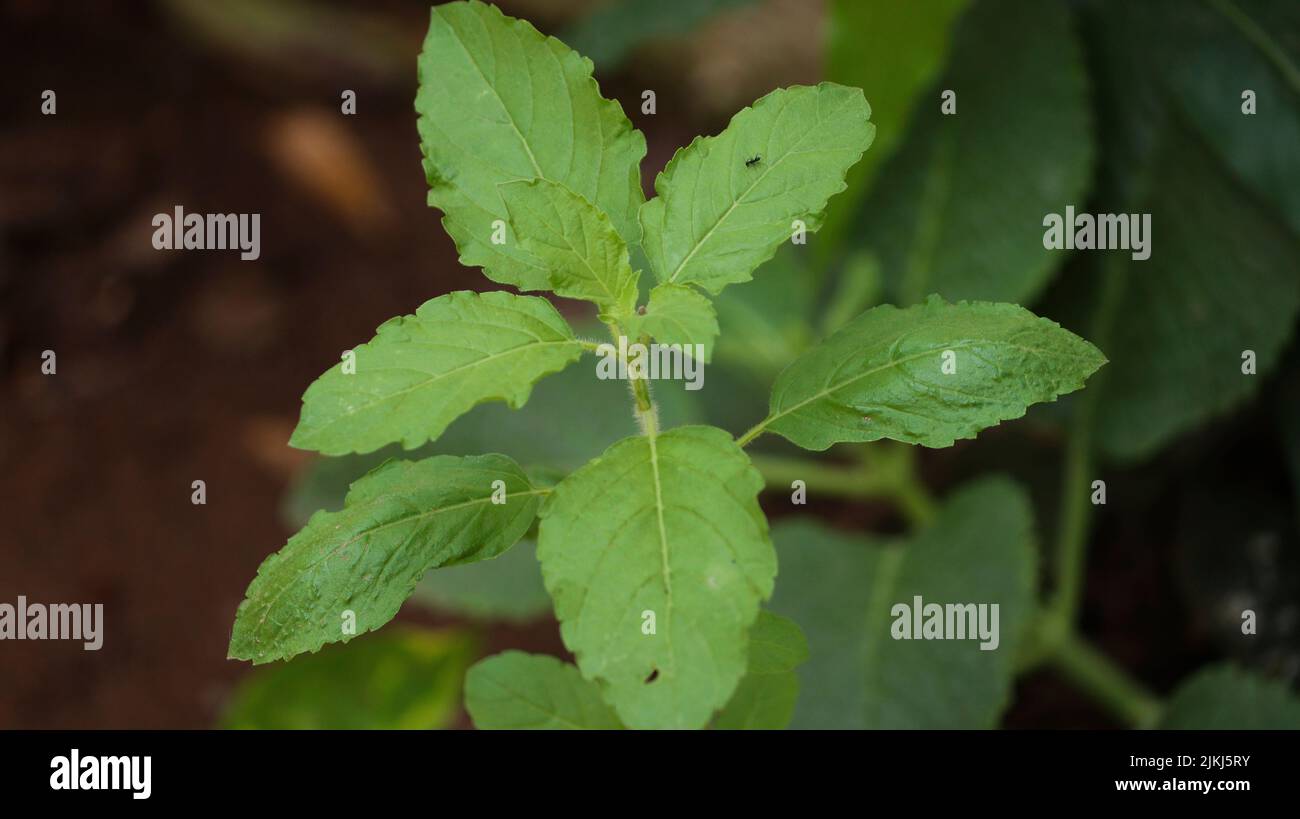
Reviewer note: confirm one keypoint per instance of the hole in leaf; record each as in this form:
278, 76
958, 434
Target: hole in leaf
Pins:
654, 675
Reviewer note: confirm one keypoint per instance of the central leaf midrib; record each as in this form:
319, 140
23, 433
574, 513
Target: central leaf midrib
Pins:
369, 532
436, 376
771, 419
663, 548
888, 569
509, 114
736, 203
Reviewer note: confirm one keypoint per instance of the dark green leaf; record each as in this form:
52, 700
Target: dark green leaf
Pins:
1223, 698
959, 208
841, 588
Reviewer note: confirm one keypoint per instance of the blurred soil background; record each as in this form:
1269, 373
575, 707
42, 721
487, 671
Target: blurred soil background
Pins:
182, 366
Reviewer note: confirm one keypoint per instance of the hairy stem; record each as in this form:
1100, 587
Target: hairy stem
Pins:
643, 405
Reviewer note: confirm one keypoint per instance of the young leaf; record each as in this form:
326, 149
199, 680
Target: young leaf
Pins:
514, 690
765, 698
725, 203
402, 678
420, 372
583, 255
356, 566
1224, 697
677, 314
959, 208
1239, 46
498, 102
1223, 278
842, 589
776, 645
657, 557
926, 375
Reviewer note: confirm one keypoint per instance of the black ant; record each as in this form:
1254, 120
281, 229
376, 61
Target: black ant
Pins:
749, 163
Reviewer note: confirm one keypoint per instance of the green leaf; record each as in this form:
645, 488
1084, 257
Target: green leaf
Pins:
514, 691
398, 522
1223, 698
765, 698
959, 209
892, 51
584, 256
776, 645
508, 587
402, 678
677, 314
1223, 276
719, 214
499, 102
613, 30
883, 375
1238, 46
842, 588
420, 372
667, 524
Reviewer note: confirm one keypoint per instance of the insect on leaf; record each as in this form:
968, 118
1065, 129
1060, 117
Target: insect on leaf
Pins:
718, 215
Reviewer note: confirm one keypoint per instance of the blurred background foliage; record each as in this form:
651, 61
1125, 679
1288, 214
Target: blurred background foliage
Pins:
1106, 105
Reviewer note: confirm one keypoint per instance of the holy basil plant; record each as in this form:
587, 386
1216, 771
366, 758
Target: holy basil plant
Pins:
656, 555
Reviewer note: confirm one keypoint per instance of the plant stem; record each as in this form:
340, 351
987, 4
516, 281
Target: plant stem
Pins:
916, 503
831, 479
1108, 684
888, 476
643, 405
1075, 516
753, 432
1072, 536
647, 413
